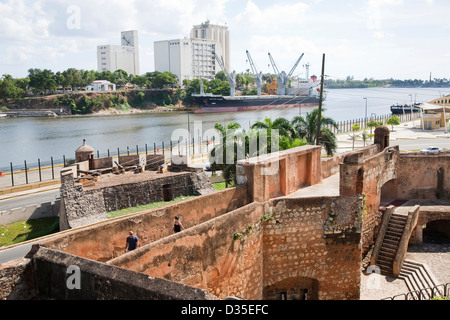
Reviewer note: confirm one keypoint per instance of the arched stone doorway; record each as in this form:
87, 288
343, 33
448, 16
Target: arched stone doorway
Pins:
437, 231
389, 190
298, 288
431, 231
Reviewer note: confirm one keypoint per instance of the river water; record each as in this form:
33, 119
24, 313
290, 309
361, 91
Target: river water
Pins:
31, 138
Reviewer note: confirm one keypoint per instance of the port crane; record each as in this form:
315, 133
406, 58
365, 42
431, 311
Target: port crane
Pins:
231, 77
258, 76
282, 77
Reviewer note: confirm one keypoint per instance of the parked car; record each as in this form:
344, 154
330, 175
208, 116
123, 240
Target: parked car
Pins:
432, 149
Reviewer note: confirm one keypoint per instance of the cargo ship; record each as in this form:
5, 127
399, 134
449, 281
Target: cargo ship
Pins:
399, 109
307, 94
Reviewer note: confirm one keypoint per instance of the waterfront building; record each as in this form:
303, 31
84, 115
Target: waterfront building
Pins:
193, 58
217, 33
101, 85
124, 56
435, 114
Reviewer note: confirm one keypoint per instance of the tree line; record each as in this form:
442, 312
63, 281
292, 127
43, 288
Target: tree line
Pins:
350, 82
43, 82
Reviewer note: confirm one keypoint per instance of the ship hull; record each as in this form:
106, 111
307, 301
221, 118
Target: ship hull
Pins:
218, 104
397, 109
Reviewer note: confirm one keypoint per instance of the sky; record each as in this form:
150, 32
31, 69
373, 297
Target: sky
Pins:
380, 39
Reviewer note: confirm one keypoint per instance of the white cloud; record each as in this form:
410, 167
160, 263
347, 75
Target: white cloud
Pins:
275, 17
355, 35
377, 12
21, 21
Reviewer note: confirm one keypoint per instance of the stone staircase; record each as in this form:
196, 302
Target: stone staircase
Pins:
419, 281
390, 243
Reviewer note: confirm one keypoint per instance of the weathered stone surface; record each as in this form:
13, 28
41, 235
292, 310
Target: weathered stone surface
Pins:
99, 281
15, 280
81, 206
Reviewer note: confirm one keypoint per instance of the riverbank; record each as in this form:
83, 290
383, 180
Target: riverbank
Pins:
95, 103
107, 112
103, 112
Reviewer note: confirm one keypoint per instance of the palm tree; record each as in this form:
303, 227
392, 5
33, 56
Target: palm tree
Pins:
306, 128
283, 126
221, 149
286, 143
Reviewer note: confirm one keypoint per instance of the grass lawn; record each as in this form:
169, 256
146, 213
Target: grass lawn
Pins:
154, 205
26, 230
219, 186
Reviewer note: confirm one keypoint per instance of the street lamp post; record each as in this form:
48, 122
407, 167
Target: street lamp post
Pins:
365, 117
403, 107
412, 112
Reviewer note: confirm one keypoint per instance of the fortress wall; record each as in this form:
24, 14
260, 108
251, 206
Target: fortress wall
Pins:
424, 176
330, 165
282, 173
222, 256
260, 249
364, 174
312, 240
378, 170
106, 240
129, 195
61, 276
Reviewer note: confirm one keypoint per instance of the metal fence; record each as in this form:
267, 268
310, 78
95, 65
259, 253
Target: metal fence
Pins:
39, 171
346, 126
439, 291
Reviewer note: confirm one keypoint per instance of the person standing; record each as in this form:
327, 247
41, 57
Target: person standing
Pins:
132, 242
177, 226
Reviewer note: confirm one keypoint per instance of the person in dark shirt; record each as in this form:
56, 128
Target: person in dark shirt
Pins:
177, 226
132, 242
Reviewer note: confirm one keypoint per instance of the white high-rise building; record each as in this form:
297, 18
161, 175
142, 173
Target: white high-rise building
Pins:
193, 58
124, 56
187, 58
217, 33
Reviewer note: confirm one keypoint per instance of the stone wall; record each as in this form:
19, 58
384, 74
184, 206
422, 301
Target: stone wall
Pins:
77, 207
431, 178
106, 240
282, 173
99, 281
257, 250
222, 255
312, 244
81, 206
152, 161
129, 195
16, 280
363, 173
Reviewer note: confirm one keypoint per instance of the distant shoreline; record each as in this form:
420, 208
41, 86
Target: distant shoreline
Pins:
46, 113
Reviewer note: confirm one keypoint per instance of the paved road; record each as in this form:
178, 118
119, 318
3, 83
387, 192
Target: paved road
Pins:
22, 201
419, 144
14, 253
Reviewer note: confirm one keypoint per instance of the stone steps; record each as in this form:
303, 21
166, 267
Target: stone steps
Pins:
419, 280
390, 243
